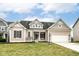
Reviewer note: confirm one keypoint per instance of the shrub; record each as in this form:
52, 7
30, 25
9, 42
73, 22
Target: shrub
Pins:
2, 39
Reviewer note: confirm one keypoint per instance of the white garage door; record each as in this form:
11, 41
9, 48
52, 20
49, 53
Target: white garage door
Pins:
59, 38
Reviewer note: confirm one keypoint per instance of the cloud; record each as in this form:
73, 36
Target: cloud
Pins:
59, 7
39, 1
19, 1
17, 7
3, 15
48, 19
46, 7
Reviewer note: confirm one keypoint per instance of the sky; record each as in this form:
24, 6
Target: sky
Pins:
49, 12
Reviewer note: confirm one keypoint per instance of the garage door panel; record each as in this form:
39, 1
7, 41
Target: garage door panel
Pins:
59, 38
60, 33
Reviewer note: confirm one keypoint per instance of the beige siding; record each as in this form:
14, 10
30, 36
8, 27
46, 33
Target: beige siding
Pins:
56, 28
76, 32
17, 27
46, 35
60, 33
63, 30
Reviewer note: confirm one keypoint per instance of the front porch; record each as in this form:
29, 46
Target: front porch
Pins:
36, 36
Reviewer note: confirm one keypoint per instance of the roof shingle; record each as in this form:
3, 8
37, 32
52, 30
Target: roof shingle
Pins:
45, 24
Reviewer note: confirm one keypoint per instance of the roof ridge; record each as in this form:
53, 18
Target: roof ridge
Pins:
75, 22
40, 21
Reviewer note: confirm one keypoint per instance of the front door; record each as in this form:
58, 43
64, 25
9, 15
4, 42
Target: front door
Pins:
36, 35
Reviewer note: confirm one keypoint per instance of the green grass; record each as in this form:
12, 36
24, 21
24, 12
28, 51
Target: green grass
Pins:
34, 49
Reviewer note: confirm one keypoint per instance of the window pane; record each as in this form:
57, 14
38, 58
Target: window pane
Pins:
28, 34
42, 35
17, 34
20, 34
36, 26
14, 34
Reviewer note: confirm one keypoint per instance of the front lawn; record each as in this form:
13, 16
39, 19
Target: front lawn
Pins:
34, 49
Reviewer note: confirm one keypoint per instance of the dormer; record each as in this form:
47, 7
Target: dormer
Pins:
36, 24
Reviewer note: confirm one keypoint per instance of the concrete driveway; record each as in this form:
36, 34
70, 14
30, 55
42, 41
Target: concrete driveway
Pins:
73, 46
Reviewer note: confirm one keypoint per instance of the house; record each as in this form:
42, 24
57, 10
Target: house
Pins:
76, 31
3, 28
29, 31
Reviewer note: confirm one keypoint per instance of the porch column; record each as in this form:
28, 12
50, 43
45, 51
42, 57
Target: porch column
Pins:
48, 36
69, 40
39, 37
3, 35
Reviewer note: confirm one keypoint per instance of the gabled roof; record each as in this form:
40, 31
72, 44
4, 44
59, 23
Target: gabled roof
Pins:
65, 24
36, 20
75, 23
25, 24
14, 23
2, 21
61, 21
45, 24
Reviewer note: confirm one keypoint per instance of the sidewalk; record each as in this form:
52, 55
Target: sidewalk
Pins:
73, 46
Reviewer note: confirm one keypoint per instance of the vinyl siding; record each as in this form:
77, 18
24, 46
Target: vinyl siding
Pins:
63, 30
17, 27
76, 32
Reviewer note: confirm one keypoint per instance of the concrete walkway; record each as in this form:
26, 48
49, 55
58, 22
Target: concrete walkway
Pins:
73, 46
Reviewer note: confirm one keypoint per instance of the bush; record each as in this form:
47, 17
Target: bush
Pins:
2, 39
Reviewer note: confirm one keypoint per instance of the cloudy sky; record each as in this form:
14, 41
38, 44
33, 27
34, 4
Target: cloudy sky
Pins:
69, 12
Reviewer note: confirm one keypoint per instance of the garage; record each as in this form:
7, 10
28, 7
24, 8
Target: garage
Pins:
59, 32
59, 38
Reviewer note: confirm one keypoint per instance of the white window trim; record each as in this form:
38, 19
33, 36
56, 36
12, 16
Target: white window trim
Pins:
40, 26
16, 35
2, 27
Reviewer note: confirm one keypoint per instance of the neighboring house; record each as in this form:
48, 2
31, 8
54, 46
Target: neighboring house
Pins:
29, 31
3, 28
76, 31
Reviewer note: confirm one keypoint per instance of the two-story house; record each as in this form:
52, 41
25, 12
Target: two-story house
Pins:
3, 28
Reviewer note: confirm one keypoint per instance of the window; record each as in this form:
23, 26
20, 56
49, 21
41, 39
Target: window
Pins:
28, 34
60, 26
36, 26
33, 26
17, 34
3, 28
42, 35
